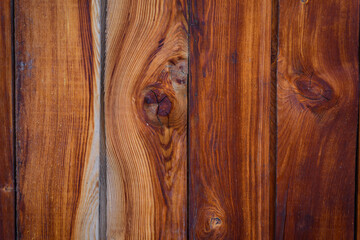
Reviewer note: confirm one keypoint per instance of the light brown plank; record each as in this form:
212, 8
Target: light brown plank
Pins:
230, 56
7, 193
145, 119
57, 118
318, 78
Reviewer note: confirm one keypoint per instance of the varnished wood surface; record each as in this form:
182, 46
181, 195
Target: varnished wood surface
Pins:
318, 80
57, 112
229, 119
273, 114
273, 118
7, 193
145, 119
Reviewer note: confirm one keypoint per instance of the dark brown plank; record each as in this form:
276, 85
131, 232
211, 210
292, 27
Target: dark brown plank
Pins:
7, 193
273, 112
230, 119
145, 119
318, 79
57, 118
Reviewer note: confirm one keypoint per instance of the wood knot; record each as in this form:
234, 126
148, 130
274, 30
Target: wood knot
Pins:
157, 104
314, 93
215, 222
163, 102
211, 223
7, 189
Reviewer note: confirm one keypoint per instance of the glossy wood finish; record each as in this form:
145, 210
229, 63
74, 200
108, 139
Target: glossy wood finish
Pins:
145, 119
7, 193
270, 150
57, 112
273, 114
229, 119
318, 78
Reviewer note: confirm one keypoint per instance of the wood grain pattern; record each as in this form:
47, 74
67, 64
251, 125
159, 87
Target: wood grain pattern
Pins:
318, 78
273, 113
57, 118
7, 193
145, 119
230, 119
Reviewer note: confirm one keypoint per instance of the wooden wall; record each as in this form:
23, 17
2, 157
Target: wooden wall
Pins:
179, 119
7, 156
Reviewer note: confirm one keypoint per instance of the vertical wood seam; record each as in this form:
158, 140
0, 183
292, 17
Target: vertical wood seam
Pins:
356, 176
356, 218
273, 114
103, 162
188, 124
13, 98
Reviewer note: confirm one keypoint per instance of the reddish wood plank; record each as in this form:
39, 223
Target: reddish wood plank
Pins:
230, 119
7, 193
57, 118
318, 78
145, 119
273, 112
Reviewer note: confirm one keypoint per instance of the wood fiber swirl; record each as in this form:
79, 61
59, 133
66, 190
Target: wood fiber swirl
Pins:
145, 119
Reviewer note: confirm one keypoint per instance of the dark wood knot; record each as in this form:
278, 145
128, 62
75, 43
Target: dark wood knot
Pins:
314, 93
157, 105
215, 222
162, 101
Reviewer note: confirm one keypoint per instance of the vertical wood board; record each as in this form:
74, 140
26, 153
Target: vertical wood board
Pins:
145, 119
230, 178
318, 78
7, 193
57, 118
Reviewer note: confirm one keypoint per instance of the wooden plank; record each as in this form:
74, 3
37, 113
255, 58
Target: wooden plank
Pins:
145, 119
57, 118
230, 119
273, 112
317, 118
7, 193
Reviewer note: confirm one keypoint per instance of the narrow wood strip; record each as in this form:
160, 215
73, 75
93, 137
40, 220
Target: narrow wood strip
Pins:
103, 161
230, 64
7, 193
318, 78
273, 112
57, 118
145, 119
